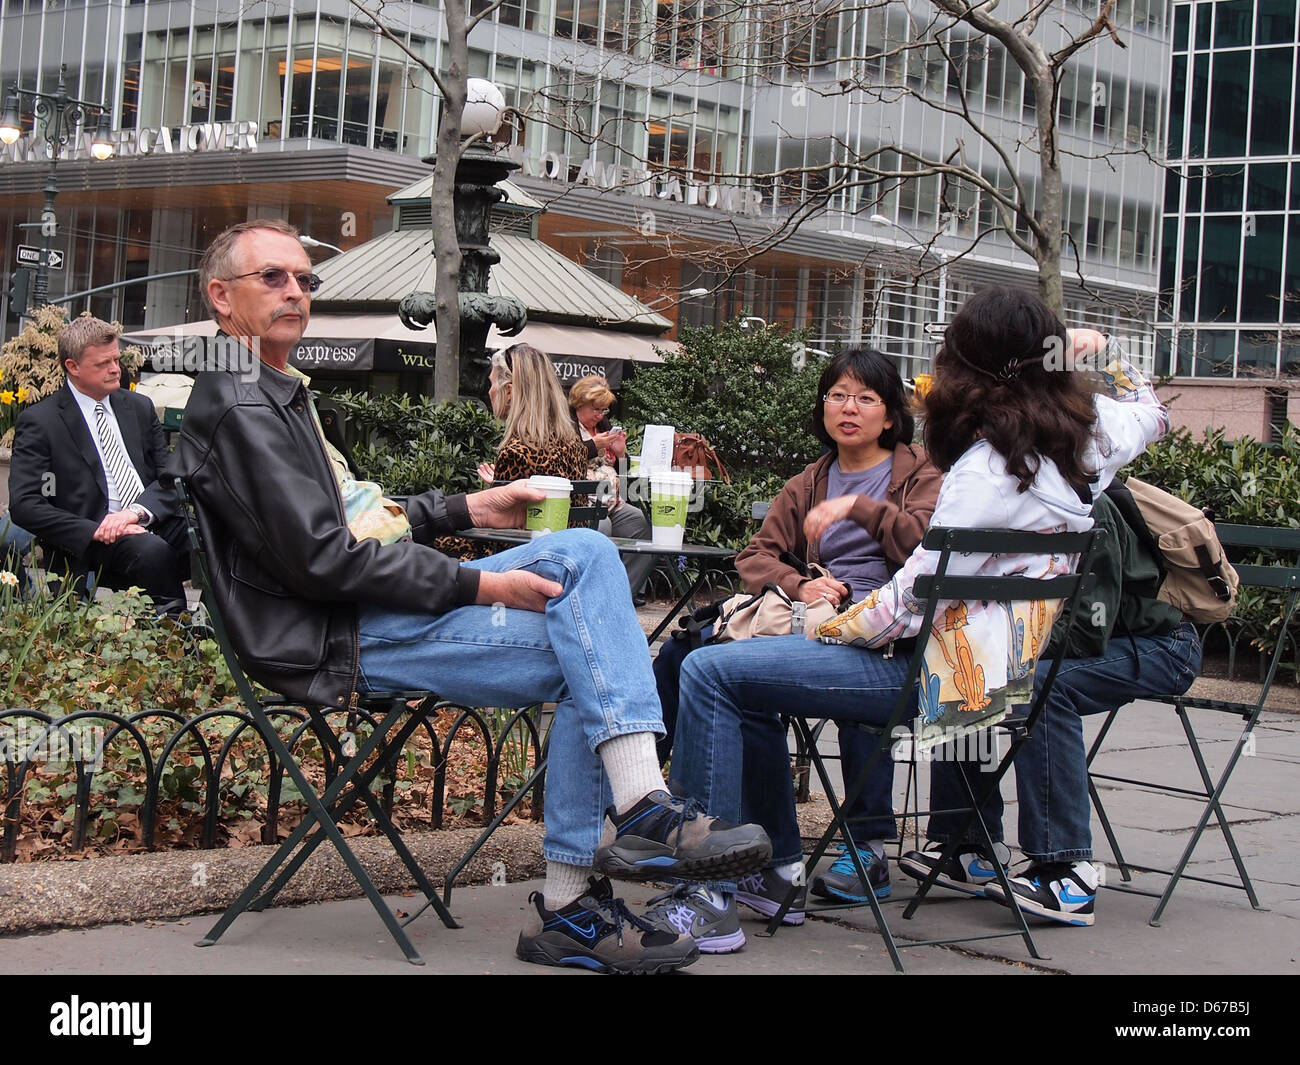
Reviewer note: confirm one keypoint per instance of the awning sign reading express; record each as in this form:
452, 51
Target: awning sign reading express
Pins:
392, 356
570, 368
322, 353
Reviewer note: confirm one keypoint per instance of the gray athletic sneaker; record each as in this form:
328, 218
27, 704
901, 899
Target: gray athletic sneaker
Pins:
670, 838
598, 932
765, 890
689, 910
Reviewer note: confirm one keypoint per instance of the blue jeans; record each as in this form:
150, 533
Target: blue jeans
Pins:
586, 653
1051, 767
735, 690
855, 749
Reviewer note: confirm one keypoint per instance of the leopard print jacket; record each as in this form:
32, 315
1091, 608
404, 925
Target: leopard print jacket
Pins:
517, 461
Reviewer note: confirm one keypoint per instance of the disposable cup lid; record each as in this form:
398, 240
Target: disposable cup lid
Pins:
671, 479
550, 484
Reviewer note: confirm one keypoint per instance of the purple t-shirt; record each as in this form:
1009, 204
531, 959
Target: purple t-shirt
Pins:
847, 549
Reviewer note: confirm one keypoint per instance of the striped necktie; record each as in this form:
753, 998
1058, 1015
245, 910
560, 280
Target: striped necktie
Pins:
116, 462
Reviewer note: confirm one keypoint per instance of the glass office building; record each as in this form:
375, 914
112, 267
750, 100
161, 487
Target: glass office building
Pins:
676, 140
1230, 259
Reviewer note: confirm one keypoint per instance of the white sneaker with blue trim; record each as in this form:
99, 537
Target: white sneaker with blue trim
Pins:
1059, 891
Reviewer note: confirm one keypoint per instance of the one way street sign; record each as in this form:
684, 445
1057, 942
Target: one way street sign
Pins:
28, 255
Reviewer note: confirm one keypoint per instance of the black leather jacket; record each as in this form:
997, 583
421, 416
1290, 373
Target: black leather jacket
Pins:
287, 573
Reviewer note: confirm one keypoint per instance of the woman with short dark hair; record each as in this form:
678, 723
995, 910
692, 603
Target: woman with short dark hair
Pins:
859, 511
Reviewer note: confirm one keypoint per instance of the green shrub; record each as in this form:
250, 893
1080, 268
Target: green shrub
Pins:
1242, 481
748, 390
412, 445
724, 519
59, 655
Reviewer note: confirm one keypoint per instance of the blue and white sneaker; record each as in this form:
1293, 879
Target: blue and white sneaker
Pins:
969, 871
1058, 891
841, 880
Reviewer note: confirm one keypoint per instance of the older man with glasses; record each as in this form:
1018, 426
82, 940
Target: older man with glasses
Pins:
330, 588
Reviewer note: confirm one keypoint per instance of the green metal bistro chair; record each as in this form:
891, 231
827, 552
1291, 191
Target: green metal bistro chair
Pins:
353, 772
1275, 577
938, 588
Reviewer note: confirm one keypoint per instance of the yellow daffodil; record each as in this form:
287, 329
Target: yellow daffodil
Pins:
6, 397
23, 393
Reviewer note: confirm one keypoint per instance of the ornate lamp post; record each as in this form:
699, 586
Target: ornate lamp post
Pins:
477, 173
59, 120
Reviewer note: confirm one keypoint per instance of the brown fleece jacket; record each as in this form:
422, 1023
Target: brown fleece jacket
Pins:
897, 522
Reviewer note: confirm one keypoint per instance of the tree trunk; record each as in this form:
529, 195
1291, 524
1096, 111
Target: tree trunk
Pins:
1051, 195
446, 374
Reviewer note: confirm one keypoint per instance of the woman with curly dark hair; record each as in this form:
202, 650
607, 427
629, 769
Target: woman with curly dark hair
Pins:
1023, 446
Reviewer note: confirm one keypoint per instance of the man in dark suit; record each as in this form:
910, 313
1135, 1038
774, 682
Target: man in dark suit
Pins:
84, 474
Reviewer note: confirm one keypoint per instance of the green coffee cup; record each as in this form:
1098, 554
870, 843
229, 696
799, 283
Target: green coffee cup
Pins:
552, 513
670, 495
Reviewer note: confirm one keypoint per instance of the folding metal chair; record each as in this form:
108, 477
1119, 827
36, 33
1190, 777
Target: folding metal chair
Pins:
1274, 577
349, 774
938, 588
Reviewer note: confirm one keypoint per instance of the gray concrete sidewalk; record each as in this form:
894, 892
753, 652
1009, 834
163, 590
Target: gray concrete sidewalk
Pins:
1207, 930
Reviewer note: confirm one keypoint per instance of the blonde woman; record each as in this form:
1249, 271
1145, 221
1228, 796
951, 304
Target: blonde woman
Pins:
590, 399
539, 438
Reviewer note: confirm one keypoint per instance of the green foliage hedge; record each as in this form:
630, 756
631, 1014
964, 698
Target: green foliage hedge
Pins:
411, 445
750, 391
1242, 481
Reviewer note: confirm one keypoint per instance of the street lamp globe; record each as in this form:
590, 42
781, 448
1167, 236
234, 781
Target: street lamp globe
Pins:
101, 147
11, 125
484, 107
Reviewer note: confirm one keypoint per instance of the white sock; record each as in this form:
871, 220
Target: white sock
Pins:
632, 767
789, 872
564, 883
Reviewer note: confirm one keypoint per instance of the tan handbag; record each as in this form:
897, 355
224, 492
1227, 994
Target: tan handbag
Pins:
771, 612
692, 453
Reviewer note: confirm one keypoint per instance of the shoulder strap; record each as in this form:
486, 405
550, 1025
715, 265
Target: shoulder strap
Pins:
1119, 494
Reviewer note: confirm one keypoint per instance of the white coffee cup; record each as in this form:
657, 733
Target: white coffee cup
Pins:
670, 496
547, 515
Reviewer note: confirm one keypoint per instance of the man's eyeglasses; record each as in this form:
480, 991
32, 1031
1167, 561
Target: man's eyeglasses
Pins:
838, 399
274, 277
